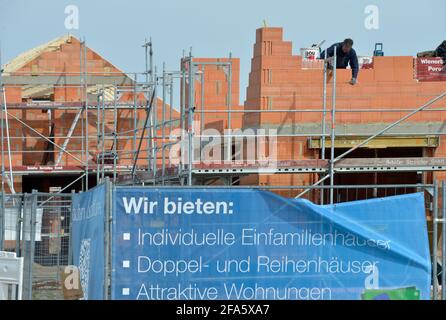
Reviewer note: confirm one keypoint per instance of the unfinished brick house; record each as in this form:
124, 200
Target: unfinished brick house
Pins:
285, 93
392, 88
47, 89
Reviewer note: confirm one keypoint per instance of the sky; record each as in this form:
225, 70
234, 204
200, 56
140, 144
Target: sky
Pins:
116, 29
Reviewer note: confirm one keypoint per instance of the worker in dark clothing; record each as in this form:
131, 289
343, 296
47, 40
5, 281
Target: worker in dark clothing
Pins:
345, 55
441, 52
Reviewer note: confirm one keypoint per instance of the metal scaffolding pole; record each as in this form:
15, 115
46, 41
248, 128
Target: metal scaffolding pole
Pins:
443, 238
69, 136
124, 106
324, 114
155, 124
183, 92
163, 164
115, 135
202, 111
333, 126
2, 213
135, 115
148, 112
32, 243
229, 103
98, 135
171, 103
5, 124
434, 242
150, 135
8, 145
103, 137
148, 49
82, 108
153, 76
190, 110
183, 108
87, 149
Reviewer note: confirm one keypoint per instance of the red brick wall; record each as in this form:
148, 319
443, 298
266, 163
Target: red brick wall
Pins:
278, 80
215, 89
278, 75
65, 60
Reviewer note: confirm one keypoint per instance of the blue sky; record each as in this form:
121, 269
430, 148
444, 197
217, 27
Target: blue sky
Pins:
116, 29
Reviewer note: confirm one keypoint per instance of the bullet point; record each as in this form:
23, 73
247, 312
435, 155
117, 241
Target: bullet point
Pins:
126, 236
125, 291
126, 264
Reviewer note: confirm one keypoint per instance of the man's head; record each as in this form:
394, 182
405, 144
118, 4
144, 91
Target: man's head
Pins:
347, 45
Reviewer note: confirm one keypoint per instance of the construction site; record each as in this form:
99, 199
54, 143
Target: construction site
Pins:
72, 120
73, 116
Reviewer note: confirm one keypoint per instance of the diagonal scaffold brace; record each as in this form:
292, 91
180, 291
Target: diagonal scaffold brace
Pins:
148, 110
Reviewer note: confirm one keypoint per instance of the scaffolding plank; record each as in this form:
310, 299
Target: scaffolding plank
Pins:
283, 167
315, 165
421, 162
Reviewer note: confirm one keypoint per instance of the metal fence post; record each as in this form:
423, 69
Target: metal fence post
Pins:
107, 237
25, 243
190, 109
20, 218
434, 242
70, 241
2, 215
32, 236
2, 218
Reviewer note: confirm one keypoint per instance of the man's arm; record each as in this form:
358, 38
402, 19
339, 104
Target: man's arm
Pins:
329, 51
354, 64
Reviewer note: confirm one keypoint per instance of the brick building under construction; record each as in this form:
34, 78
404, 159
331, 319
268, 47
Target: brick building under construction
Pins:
71, 118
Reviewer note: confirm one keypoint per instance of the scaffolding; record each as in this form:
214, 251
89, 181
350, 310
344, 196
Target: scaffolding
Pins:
105, 151
132, 143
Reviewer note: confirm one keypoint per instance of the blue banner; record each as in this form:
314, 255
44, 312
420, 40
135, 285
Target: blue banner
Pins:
220, 243
87, 238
